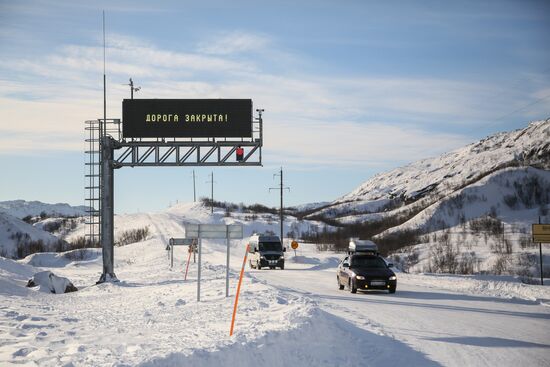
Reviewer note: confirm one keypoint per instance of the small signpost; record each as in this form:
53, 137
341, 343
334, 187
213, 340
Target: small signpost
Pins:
294, 246
178, 242
541, 234
213, 231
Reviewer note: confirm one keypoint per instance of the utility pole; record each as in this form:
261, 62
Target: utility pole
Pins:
194, 188
282, 188
211, 192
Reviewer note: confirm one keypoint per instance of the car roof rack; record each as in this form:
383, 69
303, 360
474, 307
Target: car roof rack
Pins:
366, 247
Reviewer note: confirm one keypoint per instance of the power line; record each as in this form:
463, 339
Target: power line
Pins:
517, 110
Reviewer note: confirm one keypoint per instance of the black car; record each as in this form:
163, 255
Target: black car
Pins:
364, 272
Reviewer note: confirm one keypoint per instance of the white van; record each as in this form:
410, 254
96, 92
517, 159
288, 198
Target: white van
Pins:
266, 251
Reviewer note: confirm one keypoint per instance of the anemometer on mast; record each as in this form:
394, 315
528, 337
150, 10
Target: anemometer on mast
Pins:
132, 88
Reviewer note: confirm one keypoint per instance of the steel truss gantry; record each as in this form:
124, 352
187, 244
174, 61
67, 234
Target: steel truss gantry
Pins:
185, 153
116, 152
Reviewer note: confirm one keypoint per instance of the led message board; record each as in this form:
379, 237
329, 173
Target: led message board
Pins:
187, 118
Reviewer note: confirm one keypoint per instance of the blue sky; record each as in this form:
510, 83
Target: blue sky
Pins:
349, 88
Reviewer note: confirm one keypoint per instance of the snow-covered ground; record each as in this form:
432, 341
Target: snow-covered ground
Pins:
451, 320
291, 317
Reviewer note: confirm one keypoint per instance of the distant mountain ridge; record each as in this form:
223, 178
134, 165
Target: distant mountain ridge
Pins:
22, 208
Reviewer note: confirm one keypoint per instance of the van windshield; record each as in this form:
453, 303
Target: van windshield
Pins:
270, 246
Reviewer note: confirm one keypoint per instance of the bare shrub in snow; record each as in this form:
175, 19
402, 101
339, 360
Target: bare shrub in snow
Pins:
532, 191
468, 263
82, 242
527, 266
501, 265
443, 256
52, 226
487, 225
132, 236
508, 246
26, 246
525, 242
77, 255
511, 201
404, 261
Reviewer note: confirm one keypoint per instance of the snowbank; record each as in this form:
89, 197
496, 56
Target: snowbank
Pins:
491, 286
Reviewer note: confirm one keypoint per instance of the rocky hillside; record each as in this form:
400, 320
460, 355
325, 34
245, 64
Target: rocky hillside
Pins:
435, 178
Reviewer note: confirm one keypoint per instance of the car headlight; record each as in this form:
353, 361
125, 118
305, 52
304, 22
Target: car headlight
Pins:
262, 257
360, 277
393, 277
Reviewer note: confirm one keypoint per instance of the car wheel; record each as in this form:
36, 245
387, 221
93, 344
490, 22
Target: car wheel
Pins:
392, 290
258, 266
352, 286
283, 267
340, 286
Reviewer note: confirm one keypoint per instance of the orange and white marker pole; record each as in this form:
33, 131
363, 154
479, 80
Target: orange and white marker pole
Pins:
187, 267
238, 291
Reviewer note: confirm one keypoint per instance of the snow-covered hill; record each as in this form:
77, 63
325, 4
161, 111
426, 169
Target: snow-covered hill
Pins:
174, 217
440, 176
513, 195
467, 211
22, 208
14, 232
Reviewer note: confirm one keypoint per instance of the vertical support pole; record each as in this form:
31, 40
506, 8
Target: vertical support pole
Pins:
540, 256
199, 268
282, 217
171, 256
227, 262
540, 260
261, 134
194, 189
107, 210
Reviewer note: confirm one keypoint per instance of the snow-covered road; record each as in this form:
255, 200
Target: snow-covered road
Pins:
450, 328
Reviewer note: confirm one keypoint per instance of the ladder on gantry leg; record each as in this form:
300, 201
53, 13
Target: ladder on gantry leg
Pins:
93, 182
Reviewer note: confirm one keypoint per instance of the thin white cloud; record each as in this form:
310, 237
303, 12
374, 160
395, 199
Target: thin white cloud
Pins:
233, 43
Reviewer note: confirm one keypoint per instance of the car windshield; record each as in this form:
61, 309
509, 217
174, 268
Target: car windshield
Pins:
270, 246
367, 262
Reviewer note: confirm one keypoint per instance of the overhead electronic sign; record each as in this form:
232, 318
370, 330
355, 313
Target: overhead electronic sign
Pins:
187, 118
